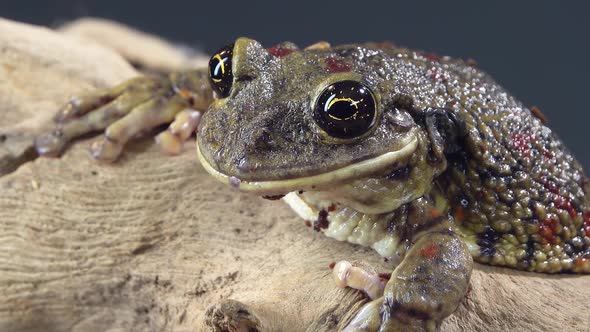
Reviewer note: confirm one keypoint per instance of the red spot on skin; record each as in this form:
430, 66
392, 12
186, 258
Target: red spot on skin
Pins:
560, 202
459, 213
565, 204
384, 276
336, 65
308, 223
386, 44
546, 233
548, 228
322, 221
538, 114
331, 266
587, 223
280, 51
471, 62
332, 208
580, 262
429, 251
522, 142
430, 56
548, 154
549, 185
434, 213
436, 75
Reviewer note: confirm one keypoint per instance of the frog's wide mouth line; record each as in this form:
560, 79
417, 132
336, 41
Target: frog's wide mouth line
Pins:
313, 182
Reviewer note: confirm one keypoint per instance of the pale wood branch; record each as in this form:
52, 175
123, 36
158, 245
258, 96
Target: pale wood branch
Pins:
153, 243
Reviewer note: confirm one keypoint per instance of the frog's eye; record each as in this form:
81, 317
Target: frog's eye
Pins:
345, 109
220, 71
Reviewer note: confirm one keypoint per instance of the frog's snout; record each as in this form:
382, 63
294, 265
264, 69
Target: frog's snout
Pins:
212, 131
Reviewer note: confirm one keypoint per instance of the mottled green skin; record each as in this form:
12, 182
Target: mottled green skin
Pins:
263, 129
523, 196
517, 194
454, 169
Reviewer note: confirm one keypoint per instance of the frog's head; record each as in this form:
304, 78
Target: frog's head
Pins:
335, 122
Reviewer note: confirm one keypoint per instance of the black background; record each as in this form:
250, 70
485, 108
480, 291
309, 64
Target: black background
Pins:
538, 50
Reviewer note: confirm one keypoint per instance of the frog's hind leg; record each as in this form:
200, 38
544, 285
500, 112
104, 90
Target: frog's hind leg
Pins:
80, 105
135, 106
146, 116
93, 112
426, 287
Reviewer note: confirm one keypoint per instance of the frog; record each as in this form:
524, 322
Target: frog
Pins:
424, 158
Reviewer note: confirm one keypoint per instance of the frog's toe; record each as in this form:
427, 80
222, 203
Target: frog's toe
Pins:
381, 315
105, 149
348, 275
85, 103
145, 117
409, 325
185, 123
367, 319
231, 315
80, 105
50, 144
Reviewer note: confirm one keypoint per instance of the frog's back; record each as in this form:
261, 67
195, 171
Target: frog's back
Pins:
516, 192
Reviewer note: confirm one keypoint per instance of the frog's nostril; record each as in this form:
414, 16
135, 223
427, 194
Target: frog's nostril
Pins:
263, 141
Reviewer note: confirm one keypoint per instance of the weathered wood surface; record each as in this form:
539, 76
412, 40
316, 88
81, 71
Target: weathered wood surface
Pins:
152, 243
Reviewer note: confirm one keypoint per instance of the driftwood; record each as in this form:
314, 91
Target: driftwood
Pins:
152, 243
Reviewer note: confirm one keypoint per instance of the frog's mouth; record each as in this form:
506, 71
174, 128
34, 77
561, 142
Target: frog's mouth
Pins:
361, 169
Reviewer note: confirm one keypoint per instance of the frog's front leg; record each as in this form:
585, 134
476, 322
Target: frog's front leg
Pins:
129, 109
424, 288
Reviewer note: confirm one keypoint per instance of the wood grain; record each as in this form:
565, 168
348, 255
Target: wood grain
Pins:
152, 243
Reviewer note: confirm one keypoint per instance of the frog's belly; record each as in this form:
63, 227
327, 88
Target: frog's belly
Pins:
345, 224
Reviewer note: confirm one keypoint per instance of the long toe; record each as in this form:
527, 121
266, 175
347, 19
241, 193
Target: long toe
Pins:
50, 144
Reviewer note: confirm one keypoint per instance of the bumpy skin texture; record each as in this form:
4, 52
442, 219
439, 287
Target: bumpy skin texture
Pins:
515, 189
517, 194
454, 168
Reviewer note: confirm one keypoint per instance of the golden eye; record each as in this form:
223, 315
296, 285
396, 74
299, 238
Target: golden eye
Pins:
220, 71
345, 109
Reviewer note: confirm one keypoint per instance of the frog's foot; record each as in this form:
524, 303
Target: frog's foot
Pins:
91, 112
367, 319
185, 123
231, 315
129, 109
146, 116
348, 275
424, 288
